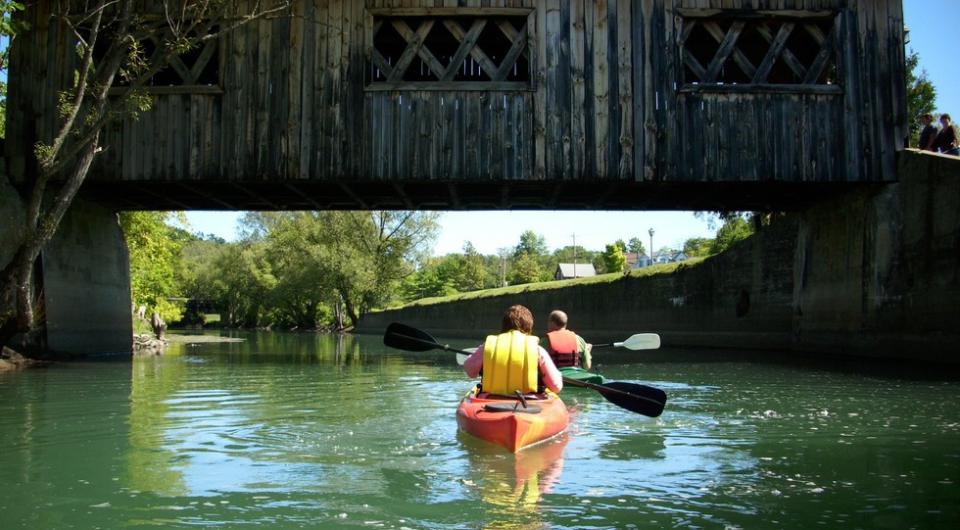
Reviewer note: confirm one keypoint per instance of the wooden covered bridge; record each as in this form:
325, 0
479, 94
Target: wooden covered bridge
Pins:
466, 104
477, 104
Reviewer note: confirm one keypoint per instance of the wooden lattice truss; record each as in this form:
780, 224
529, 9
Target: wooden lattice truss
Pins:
190, 73
469, 46
196, 71
776, 34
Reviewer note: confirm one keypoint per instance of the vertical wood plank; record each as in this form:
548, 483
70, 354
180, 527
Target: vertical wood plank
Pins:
625, 92
601, 79
578, 139
538, 19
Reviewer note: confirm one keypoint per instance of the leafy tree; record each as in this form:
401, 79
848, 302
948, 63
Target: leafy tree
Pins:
365, 255
242, 282
154, 259
921, 95
734, 229
531, 243
472, 275
525, 269
599, 263
115, 28
433, 279
636, 246
299, 289
697, 247
613, 258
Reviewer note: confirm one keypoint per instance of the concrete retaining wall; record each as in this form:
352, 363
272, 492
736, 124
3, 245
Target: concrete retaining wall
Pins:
873, 273
741, 298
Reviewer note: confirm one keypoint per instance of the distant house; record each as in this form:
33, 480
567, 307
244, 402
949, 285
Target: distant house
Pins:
636, 260
566, 271
669, 255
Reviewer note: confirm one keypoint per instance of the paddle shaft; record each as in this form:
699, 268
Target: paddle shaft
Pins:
430, 343
607, 390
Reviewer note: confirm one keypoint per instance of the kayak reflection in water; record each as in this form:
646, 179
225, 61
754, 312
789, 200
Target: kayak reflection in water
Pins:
511, 361
512, 486
566, 348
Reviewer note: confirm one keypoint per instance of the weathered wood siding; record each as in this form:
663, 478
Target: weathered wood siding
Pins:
605, 104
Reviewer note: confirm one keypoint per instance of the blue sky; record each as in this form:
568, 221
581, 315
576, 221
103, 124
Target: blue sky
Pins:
932, 24
933, 28
492, 230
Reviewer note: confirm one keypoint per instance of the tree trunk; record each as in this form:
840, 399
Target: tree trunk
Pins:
338, 313
351, 310
16, 278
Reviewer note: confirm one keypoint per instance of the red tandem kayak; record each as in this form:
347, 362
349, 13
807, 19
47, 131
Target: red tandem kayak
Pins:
506, 422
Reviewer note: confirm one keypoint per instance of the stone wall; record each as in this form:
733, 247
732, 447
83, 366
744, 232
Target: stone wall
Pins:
875, 272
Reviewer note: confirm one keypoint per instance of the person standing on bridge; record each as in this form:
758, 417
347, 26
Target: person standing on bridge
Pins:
928, 134
946, 141
565, 347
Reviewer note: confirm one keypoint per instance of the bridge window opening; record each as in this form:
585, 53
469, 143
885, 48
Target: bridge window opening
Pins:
750, 53
197, 69
449, 53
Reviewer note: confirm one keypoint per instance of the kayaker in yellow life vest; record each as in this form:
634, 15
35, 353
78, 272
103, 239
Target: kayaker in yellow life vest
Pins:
513, 360
565, 347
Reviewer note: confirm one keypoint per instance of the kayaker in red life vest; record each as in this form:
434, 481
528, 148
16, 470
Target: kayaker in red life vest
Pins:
508, 350
565, 347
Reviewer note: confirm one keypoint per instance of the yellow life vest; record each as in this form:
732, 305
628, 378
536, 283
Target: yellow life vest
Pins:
510, 363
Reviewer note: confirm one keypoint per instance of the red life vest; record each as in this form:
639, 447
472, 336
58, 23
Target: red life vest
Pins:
563, 348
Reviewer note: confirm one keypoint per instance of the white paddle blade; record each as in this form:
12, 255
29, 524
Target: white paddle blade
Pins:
462, 358
640, 341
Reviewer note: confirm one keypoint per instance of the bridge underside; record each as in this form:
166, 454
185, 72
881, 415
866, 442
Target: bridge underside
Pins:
458, 195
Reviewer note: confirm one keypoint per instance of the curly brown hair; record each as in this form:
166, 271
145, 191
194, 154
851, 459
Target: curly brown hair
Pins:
518, 318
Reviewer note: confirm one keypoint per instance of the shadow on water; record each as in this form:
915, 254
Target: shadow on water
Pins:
843, 364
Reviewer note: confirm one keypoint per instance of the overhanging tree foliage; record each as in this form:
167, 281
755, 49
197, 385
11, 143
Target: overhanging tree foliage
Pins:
155, 255
108, 36
8, 28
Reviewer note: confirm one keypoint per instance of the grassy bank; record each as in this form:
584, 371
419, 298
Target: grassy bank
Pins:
666, 268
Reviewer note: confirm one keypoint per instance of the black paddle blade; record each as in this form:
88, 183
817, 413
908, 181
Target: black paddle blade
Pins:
406, 338
641, 399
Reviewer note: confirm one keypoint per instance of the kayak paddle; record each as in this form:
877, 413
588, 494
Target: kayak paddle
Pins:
640, 341
634, 397
404, 337
642, 399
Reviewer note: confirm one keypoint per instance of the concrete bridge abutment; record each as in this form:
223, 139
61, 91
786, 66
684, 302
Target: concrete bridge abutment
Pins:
83, 280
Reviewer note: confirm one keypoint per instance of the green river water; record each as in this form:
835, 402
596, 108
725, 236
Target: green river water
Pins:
315, 431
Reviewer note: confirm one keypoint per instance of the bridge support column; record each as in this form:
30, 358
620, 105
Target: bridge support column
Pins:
86, 284
878, 273
84, 277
